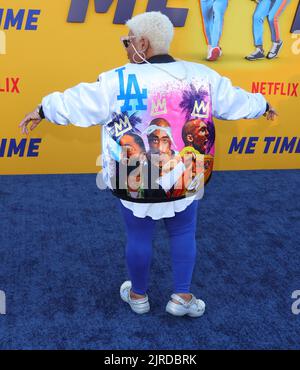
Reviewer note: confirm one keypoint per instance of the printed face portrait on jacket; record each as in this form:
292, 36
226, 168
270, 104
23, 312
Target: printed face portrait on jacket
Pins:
132, 148
195, 133
160, 141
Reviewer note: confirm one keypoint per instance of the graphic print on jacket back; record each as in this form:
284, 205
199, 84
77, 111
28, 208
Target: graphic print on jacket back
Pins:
159, 144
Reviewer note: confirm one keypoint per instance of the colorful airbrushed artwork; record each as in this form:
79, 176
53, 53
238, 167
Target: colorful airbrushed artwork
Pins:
164, 149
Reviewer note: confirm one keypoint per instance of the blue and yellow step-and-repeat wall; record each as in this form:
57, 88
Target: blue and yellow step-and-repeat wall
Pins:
48, 46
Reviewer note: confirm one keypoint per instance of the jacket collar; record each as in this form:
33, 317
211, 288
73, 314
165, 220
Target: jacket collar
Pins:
161, 58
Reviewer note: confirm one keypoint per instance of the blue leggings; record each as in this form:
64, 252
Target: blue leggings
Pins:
182, 233
271, 9
213, 12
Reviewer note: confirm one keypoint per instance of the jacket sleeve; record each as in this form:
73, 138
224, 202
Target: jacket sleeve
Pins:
83, 105
233, 103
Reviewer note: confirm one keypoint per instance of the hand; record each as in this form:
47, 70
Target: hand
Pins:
271, 113
34, 117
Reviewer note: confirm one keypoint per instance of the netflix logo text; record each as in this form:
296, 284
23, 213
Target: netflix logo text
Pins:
276, 88
9, 85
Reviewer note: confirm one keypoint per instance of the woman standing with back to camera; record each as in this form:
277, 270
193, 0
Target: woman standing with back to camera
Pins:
158, 147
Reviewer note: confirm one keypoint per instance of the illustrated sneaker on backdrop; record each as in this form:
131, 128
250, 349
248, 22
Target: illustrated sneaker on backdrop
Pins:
256, 55
273, 53
214, 54
193, 308
140, 305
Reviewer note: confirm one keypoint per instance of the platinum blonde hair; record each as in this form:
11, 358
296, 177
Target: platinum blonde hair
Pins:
156, 27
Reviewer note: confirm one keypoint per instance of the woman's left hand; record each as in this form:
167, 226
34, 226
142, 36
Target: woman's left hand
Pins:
271, 113
34, 117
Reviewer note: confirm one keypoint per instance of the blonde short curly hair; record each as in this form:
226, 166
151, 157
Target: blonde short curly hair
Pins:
156, 27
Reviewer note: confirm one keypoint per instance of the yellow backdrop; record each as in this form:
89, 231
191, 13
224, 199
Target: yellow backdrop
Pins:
59, 55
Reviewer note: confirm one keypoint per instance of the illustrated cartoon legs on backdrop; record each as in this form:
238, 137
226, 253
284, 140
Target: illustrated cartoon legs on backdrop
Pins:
213, 12
271, 9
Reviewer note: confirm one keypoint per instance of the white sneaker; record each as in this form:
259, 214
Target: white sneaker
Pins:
214, 53
140, 305
193, 308
258, 54
273, 53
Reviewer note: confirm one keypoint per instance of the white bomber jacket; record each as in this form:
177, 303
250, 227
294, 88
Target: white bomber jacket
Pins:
158, 135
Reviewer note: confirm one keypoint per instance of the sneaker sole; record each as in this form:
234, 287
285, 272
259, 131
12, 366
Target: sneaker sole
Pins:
180, 314
198, 315
185, 314
141, 312
254, 59
136, 311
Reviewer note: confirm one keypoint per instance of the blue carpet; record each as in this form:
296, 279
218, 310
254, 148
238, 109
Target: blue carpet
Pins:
62, 262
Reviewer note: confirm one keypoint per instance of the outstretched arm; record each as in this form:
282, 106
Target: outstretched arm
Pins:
83, 105
233, 103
